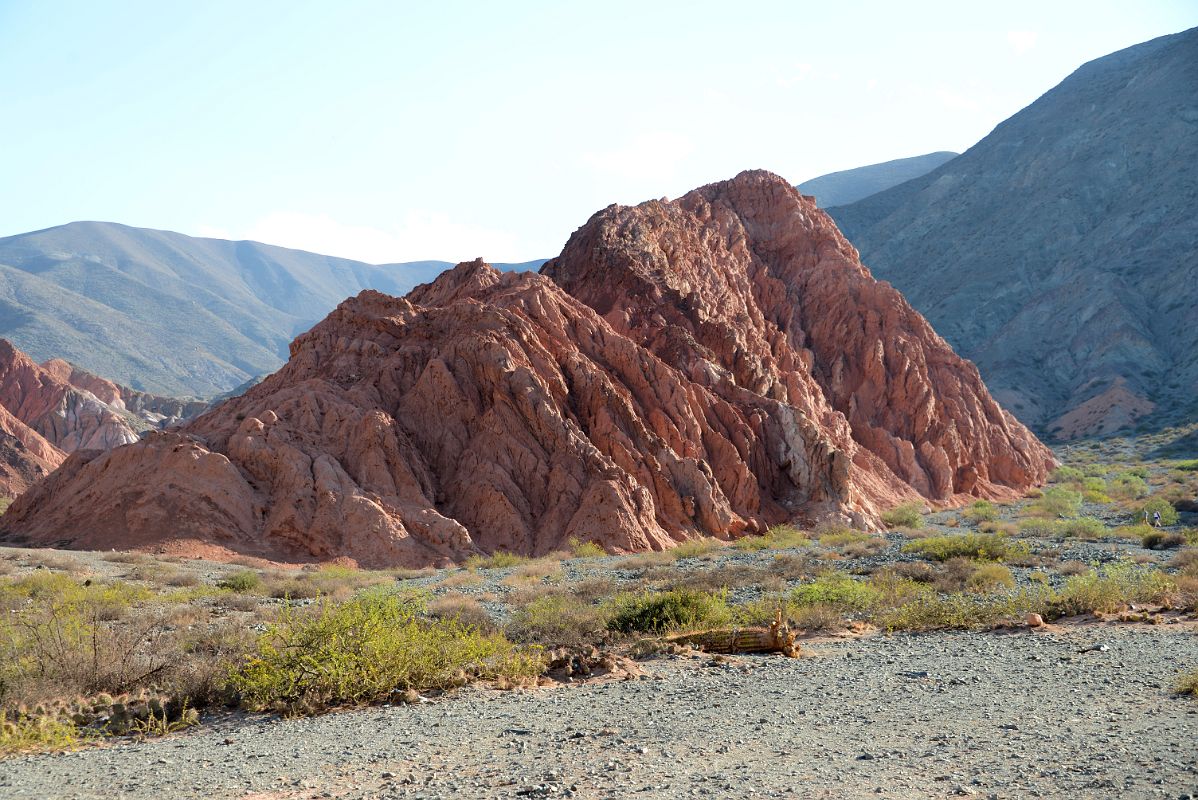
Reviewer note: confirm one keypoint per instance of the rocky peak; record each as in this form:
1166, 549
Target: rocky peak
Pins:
703, 367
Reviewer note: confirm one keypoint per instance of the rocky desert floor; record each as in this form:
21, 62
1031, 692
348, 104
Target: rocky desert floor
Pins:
878, 704
1019, 714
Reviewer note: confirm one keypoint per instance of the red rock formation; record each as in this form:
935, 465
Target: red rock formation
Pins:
67, 417
704, 367
153, 410
25, 457
751, 276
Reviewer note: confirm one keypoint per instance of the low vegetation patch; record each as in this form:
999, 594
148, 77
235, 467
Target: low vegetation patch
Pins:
580, 549
369, 650
558, 620
497, 560
677, 609
779, 537
1057, 501
908, 515
981, 511
1108, 590
981, 546
243, 581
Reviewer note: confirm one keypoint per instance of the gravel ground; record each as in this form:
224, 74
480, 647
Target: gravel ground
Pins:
1004, 715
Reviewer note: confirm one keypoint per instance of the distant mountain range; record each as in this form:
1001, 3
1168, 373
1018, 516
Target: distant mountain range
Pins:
1060, 253
851, 185
173, 314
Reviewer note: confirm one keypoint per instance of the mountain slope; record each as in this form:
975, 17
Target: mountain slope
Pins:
1060, 253
851, 185
708, 366
172, 314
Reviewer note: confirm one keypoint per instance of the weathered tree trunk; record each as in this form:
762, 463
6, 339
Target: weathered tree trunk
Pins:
777, 638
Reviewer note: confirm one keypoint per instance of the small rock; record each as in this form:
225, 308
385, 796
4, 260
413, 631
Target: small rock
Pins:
1034, 620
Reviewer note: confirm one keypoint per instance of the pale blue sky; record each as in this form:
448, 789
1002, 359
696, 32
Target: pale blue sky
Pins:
393, 131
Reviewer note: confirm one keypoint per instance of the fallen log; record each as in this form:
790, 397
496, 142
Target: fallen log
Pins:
777, 638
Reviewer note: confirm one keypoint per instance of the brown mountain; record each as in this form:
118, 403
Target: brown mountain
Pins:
1061, 252
708, 366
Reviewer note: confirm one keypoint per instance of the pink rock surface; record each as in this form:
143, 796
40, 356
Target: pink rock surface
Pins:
25, 456
67, 417
709, 366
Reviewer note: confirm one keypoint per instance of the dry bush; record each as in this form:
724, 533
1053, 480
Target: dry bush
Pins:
954, 575
465, 610
183, 578
915, 533
592, 590
1186, 561
865, 548
1187, 592
250, 562
58, 562
528, 593
650, 558
989, 577
703, 549
1073, 568
126, 557
205, 654
815, 618
535, 571
459, 580
238, 602
729, 576
403, 574
998, 526
918, 571
558, 620
792, 566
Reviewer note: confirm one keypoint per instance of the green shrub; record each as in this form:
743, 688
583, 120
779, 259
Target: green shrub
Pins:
982, 546
1160, 540
1157, 505
1111, 589
1128, 486
580, 549
838, 590
61, 637
1188, 684
557, 620
981, 511
841, 537
1057, 501
988, 577
243, 581
930, 611
696, 548
1041, 527
1189, 465
779, 537
657, 612
38, 733
908, 515
1065, 474
497, 560
1082, 528
367, 650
